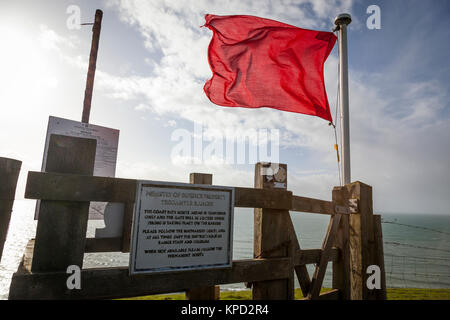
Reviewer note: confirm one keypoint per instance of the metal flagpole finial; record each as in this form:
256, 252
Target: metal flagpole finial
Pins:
343, 18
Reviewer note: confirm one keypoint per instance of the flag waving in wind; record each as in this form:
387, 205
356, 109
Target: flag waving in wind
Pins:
259, 63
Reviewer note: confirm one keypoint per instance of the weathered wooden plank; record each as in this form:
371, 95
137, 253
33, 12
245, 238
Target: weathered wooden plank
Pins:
312, 256
365, 208
311, 205
301, 257
68, 187
61, 228
205, 292
262, 198
103, 245
271, 240
5, 217
27, 259
9, 174
333, 294
341, 267
356, 276
106, 283
319, 273
300, 269
71, 187
200, 178
379, 257
127, 226
361, 239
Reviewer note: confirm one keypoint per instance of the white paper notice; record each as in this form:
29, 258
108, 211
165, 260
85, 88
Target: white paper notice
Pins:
105, 157
181, 227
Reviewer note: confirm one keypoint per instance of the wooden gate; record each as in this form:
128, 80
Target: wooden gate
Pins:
353, 240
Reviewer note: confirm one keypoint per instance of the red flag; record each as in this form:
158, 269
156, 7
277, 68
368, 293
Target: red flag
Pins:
259, 63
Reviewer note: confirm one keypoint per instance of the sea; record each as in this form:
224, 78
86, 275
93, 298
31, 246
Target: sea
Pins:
416, 246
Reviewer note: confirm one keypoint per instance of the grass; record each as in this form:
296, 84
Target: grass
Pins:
392, 294
418, 294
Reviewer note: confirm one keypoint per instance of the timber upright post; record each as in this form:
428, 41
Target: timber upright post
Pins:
9, 173
92, 66
61, 229
271, 236
361, 244
202, 293
341, 268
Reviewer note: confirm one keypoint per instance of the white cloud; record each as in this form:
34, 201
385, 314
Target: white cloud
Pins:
49, 39
142, 107
223, 174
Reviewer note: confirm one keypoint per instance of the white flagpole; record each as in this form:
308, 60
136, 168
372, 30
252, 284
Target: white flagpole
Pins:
341, 21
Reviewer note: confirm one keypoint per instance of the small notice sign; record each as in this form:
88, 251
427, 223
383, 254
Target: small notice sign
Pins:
105, 157
181, 227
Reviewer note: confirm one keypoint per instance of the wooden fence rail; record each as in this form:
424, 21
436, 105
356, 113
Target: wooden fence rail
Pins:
68, 186
83, 188
98, 283
71, 187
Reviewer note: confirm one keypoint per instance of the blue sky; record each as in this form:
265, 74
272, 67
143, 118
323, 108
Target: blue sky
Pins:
152, 66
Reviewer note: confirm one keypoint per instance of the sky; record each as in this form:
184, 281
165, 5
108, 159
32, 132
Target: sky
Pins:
152, 65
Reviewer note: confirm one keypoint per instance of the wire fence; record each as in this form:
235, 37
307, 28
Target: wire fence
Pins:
415, 265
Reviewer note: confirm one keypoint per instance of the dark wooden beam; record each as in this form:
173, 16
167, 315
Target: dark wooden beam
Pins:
262, 198
71, 187
341, 267
312, 256
272, 238
62, 225
333, 294
319, 273
108, 283
205, 292
9, 174
311, 205
68, 187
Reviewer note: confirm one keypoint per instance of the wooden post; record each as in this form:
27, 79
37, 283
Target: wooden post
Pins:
364, 244
61, 229
127, 224
321, 267
271, 238
9, 173
300, 270
209, 292
360, 235
92, 65
379, 257
341, 268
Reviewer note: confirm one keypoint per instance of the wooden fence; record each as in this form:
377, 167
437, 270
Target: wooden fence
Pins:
9, 174
353, 240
